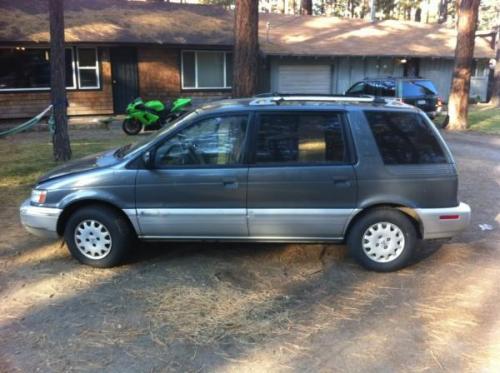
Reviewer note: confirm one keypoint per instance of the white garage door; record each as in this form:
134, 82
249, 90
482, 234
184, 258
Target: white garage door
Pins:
304, 79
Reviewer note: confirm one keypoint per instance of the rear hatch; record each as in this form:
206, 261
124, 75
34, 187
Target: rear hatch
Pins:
420, 93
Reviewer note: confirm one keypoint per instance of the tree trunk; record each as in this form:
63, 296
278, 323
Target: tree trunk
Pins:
306, 7
495, 93
60, 138
443, 11
246, 48
458, 104
418, 15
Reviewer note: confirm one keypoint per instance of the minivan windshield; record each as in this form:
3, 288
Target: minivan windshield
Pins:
418, 88
131, 148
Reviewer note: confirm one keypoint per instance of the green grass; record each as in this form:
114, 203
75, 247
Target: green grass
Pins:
484, 119
23, 160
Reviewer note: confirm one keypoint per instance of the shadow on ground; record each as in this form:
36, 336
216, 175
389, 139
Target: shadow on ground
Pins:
267, 307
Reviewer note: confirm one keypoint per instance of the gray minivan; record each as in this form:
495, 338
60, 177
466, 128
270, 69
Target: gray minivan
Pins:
373, 173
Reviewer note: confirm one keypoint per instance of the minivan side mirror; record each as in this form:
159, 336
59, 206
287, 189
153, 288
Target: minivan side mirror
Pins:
147, 159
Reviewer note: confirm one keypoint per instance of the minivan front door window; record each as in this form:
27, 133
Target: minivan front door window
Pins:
213, 141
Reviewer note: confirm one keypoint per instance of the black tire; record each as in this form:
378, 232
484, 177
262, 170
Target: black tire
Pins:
379, 260
117, 228
445, 122
171, 117
131, 127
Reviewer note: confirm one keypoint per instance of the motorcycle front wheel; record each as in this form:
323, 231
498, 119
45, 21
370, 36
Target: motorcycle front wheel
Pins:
131, 126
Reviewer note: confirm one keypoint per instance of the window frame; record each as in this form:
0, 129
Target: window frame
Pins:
348, 92
75, 71
346, 137
432, 130
96, 68
242, 163
196, 86
44, 89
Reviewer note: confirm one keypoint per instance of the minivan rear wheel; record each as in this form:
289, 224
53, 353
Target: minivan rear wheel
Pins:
383, 240
98, 236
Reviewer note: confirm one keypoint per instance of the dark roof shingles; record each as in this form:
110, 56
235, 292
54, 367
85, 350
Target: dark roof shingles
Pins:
120, 21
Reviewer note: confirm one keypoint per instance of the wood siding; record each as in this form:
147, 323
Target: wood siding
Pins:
81, 102
159, 73
160, 76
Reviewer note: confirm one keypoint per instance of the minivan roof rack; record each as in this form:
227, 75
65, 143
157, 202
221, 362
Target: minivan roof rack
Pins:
271, 99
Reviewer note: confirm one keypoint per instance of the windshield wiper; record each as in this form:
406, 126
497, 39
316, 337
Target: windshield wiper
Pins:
120, 152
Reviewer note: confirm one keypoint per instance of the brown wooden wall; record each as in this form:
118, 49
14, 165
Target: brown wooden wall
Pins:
160, 75
81, 102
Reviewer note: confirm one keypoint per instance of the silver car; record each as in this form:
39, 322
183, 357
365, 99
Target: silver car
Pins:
376, 175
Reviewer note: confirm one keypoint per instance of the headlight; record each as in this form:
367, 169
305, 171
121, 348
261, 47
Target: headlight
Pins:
38, 196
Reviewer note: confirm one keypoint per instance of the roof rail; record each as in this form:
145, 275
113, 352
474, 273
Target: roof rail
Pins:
276, 100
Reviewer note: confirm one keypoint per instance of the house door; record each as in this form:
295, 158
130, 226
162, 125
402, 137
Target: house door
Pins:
124, 76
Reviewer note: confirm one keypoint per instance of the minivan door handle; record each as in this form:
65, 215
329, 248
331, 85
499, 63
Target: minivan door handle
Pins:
343, 183
230, 183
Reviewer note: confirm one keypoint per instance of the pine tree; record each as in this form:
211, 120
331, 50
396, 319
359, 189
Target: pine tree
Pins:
60, 138
246, 48
458, 104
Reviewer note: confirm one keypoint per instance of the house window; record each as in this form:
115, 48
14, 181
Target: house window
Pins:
88, 68
480, 68
207, 70
29, 69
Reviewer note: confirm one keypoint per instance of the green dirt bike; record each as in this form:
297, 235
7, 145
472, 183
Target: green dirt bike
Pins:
152, 115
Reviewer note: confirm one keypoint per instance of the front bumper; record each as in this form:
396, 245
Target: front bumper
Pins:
41, 221
444, 222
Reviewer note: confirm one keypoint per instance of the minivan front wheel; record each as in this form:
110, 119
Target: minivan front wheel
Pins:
98, 236
383, 240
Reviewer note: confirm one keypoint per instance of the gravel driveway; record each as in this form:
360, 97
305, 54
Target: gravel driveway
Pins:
266, 307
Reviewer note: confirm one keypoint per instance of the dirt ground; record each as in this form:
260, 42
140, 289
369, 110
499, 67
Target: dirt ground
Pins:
266, 307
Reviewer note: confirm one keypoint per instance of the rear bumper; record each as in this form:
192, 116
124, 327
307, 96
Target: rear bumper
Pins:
41, 221
444, 222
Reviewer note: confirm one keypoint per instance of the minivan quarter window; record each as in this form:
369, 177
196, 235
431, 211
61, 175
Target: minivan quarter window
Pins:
404, 138
300, 138
215, 141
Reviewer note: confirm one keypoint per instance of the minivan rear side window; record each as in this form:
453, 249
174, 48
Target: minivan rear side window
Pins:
300, 138
404, 138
